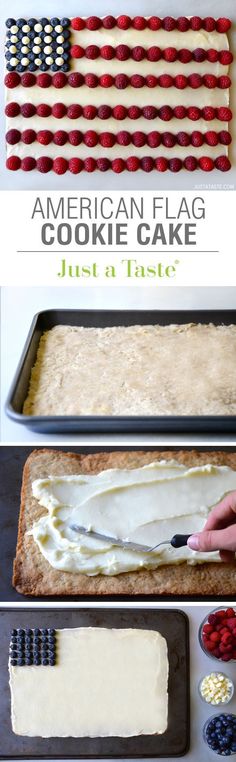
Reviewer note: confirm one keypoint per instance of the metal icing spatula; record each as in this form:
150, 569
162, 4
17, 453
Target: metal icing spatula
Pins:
178, 541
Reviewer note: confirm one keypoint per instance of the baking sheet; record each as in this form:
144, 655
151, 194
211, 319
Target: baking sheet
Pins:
51, 424
172, 624
129, 181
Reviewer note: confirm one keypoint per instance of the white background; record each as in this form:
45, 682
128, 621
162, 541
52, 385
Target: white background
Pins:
138, 180
20, 304
200, 665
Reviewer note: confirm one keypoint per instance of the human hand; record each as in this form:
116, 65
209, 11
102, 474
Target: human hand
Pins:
219, 532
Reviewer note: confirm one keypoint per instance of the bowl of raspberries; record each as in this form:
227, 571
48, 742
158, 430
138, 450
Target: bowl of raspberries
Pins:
217, 634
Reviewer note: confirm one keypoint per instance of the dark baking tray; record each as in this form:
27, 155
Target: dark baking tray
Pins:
172, 624
91, 424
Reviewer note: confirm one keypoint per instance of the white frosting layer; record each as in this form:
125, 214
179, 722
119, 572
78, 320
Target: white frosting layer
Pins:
105, 683
145, 505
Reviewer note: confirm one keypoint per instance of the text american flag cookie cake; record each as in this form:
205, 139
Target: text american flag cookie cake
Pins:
86, 94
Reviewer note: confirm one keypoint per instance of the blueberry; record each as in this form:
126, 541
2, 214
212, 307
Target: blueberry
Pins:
20, 662
66, 45
20, 632
54, 67
45, 662
36, 661
51, 631
29, 661
36, 640
52, 662
13, 662
36, 631
65, 67
32, 67
54, 35
8, 44
54, 21
44, 66
44, 631
32, 22
65, 22
66, 34
10, 22
13, 654
65, 57
31, 35
28, 632
8, 56
51, 638
28, 638
43, 21
21, 22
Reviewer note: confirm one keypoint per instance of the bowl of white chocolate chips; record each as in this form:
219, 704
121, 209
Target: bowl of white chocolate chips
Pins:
216, 688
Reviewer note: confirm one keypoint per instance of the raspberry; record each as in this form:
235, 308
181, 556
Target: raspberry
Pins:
138, 139
138, 53
122, 52
139, 22
224, 138
75, 79
91, 80
93, 23
106, 80
107, 52
165, 113
121, 81
28, 163
183, 24
196, 23
74, 111
224, 82
225, 57
90, 138
134, 112
215, 637
44, 137
206, 163
44, 80
12, 79
123, 22
222, 163
210, 81
132, 164
28, 136
183, 139
168, 23
195, 81
137, 80
212, 55
78, 24
153, 54
60, 138
119, 112
154, 139
150, 112
28, 79
28, 110
224, 114
197, 140
107, 139
13, 163
43, 110
75, 137
118, 165
103, 164
89, 164
123, 138
154, 23
165, 80
147, 164
209, 24
190, 163
179, 112
225, 657
208, 113
161, 164
170, 54
168, 139
181, 81
59, 80
185, 55
89, 112
175, 165
60, 165
199, 55
193, 113
211, 138
151, 80
12, 109
223, 25
59, 110
104, 112
109, 22
44, 164
77, 51
13, 137
92, 52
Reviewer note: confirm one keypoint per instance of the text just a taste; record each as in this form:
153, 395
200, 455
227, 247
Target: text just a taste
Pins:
127, 268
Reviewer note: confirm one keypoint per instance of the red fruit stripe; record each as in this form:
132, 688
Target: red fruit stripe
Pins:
166, 113
60, 165
153, 54
109, 139
122, 81
221, 25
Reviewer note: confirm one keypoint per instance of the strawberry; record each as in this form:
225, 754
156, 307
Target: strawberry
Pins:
132, 164
60, 165
44, 164
13, 163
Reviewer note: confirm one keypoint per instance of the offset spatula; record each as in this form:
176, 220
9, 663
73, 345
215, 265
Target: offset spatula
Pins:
178, 541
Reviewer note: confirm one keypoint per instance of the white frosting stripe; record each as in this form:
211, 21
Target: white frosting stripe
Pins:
189, 40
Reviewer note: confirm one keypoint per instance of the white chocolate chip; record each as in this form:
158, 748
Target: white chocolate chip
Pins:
14, 38
60, 50
26, 28
48, 49
25, 61
216, 688
38, 27
48, 28
59, 61
59, 28
12, 49
60, 39
14, 61
48, 38
25, 49
25, 40
49, 60
36, 49
37, 41
14, 29
37, 62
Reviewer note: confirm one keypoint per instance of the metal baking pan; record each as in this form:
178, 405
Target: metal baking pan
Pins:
171, 623
100, 424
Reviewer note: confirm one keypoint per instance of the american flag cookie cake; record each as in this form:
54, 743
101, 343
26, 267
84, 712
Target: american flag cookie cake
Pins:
141, 93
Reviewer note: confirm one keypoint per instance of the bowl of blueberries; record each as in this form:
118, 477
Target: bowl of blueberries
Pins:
219, 734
